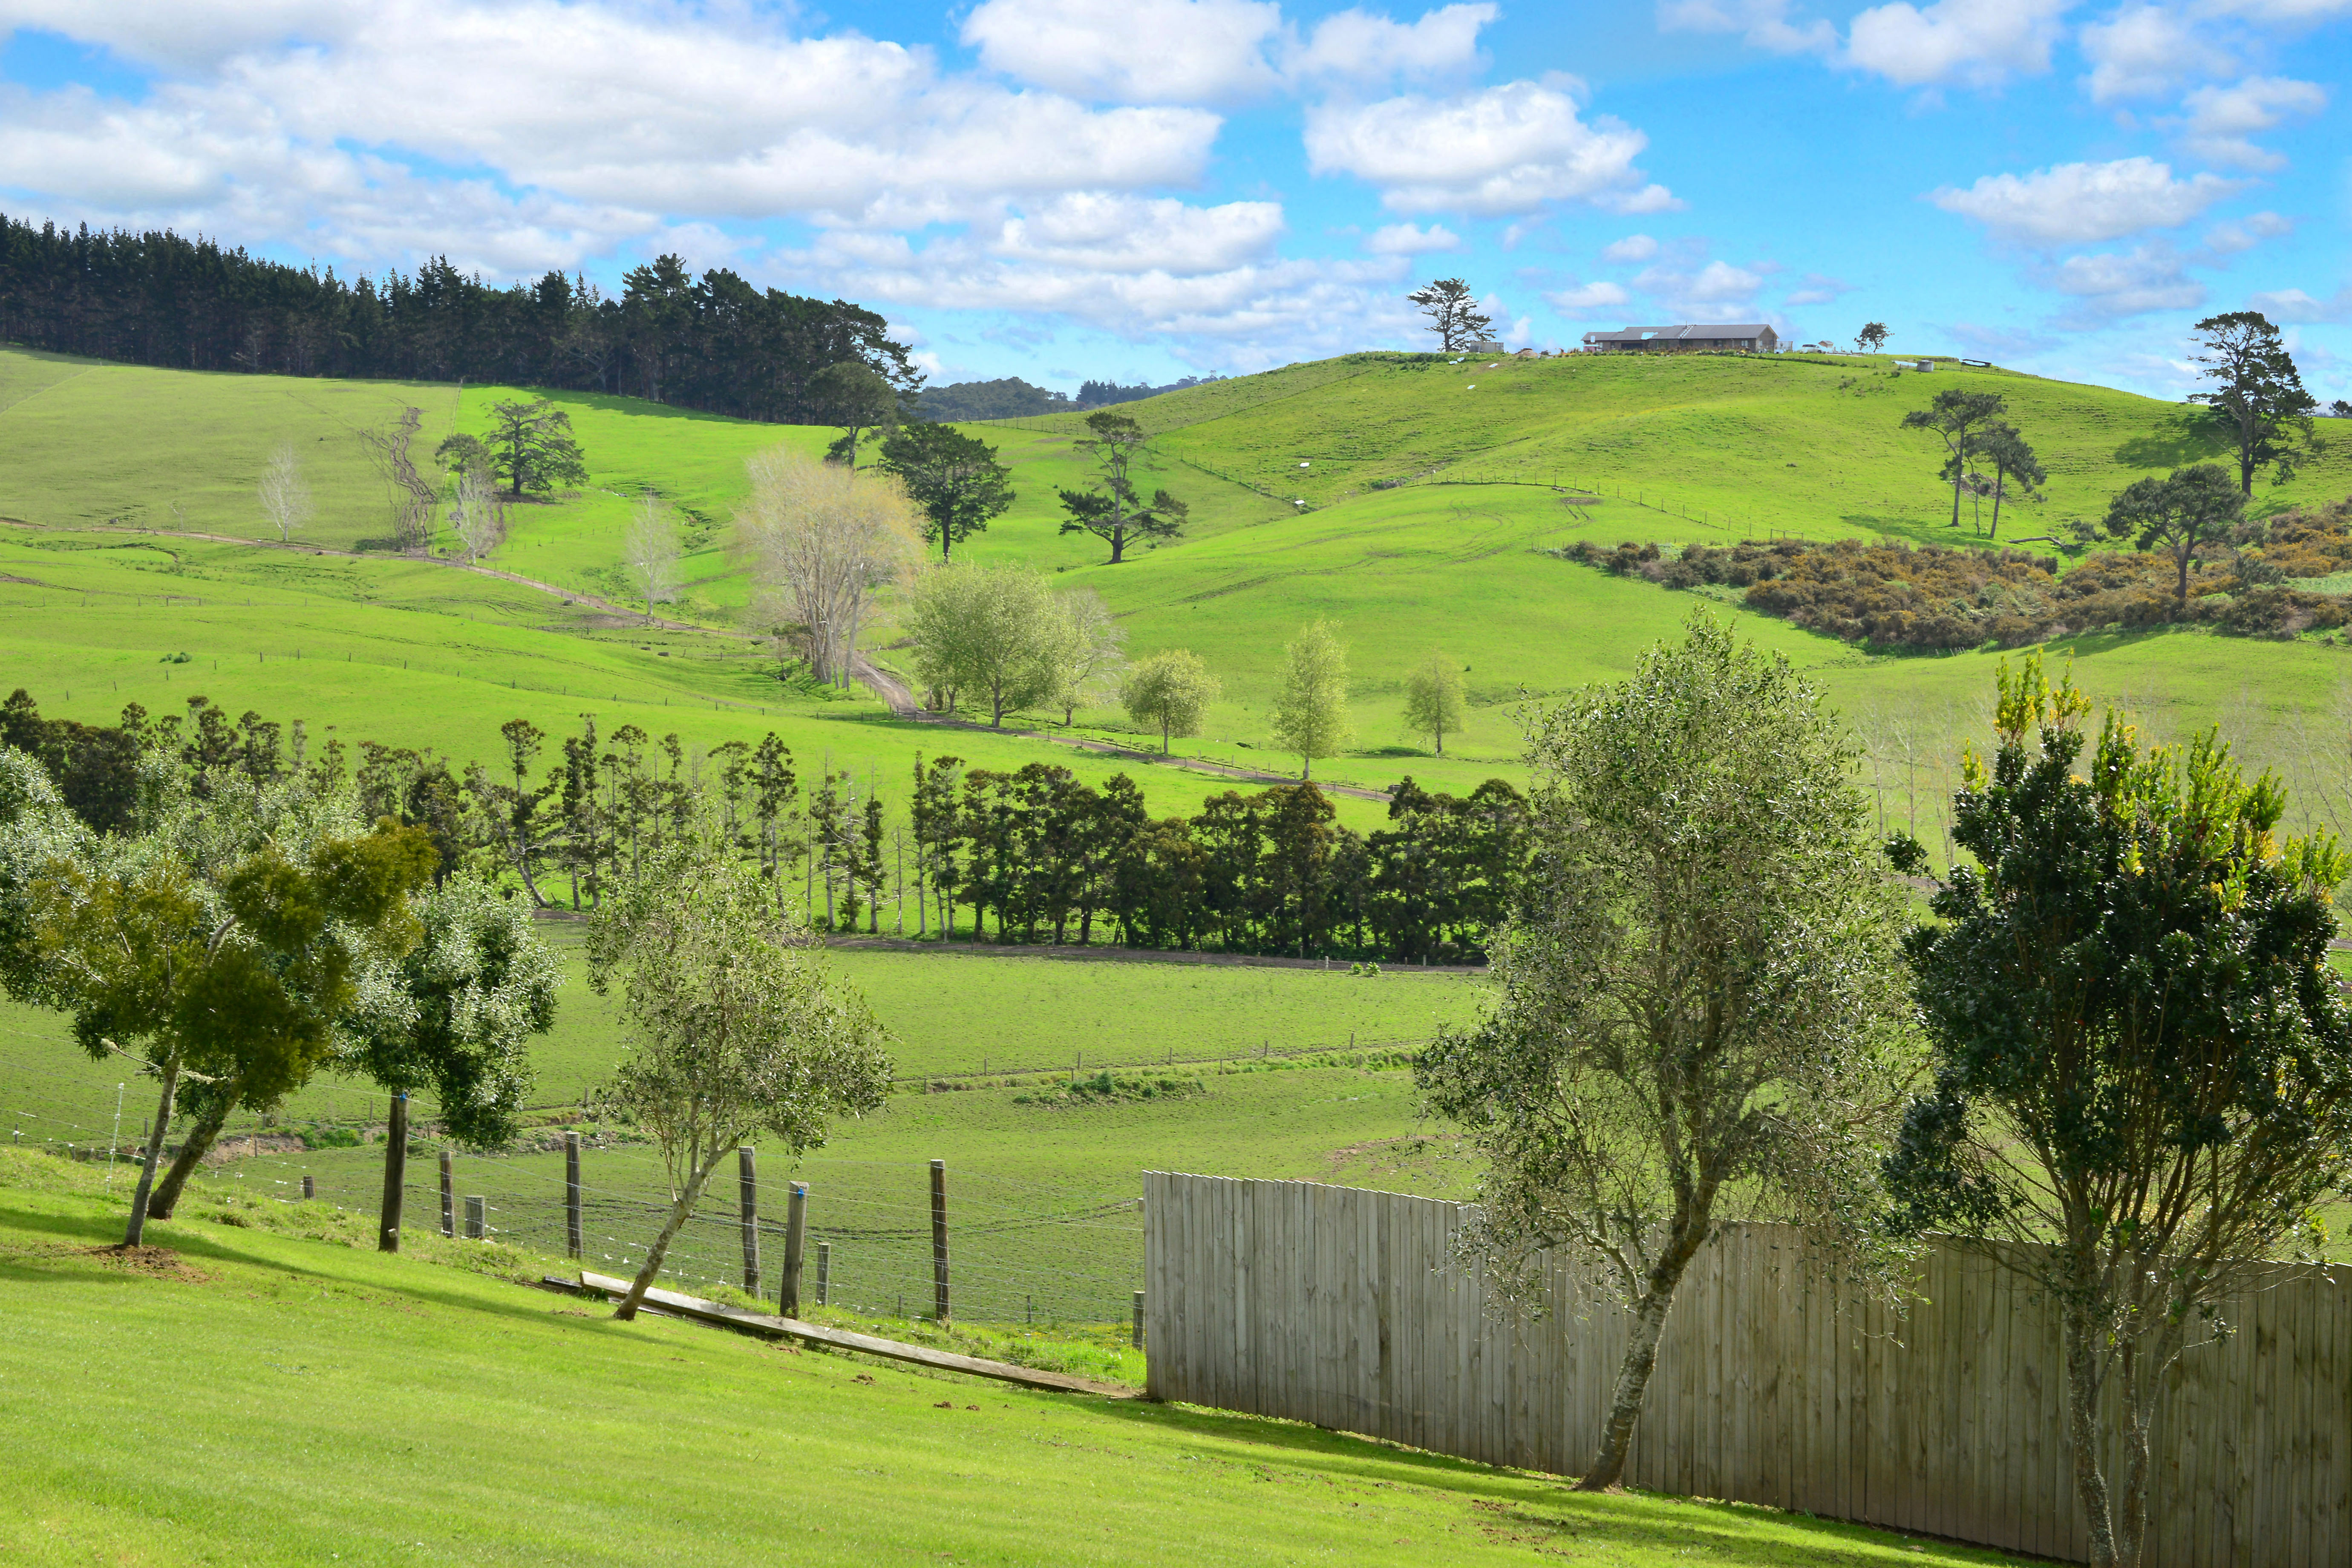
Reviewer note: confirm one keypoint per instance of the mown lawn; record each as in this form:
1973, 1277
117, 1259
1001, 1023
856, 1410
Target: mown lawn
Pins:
265, 1398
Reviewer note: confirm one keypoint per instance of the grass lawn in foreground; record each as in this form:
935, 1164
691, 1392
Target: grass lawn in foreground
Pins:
270, 1398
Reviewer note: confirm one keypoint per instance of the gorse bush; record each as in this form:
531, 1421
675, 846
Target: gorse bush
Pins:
1934, 596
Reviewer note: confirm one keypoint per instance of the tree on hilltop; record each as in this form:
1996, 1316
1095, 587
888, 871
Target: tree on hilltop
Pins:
2257, 396
532, 443
1115, 510
1454, 314
1872, 338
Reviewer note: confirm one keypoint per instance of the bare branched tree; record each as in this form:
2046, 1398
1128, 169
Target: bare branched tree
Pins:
413, 496
823, 538
285, 493
650, 549
476, 515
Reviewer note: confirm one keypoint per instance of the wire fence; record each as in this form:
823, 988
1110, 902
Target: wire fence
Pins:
1019, 1251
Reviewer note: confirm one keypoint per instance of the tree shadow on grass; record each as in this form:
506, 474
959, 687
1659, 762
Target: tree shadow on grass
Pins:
1525, 1509
2188, 435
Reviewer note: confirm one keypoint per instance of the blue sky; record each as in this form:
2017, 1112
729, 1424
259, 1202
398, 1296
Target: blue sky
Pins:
1144, 189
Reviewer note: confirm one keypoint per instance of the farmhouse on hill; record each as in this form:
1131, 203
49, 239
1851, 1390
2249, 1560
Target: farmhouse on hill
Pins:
1737, 337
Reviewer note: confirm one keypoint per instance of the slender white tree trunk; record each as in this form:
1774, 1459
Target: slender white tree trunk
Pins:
680, 1211
138, 1226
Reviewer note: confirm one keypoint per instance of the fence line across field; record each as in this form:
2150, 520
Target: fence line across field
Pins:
1022, 1251
1774, 1385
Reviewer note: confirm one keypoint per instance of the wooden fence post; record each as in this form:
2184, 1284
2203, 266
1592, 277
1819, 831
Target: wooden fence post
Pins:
477, 1226
1135, 1337
395, 1175
309, 1190
571, 1237
747, 1211
796, 1240
940, 1240
448, 1201
824, 1273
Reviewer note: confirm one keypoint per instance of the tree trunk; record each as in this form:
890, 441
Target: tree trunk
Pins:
2180, 585
679, 1212
2082, 1429
202, 1134
1997, 488
138, 1225
1608, 1467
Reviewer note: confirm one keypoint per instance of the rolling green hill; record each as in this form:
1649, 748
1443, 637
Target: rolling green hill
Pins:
1428, 496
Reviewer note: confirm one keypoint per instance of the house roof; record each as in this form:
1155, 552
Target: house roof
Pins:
1687, 332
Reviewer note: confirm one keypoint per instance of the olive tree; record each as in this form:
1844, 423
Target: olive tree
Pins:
1696, 995
2142, 1064
735, 1025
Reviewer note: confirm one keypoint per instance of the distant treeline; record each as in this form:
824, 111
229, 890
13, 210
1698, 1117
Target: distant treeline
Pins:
1013, 398
714, 343
1031, 855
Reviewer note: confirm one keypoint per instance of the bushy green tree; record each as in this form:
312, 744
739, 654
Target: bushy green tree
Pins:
2257, 396
1310, 711
2143, 1062
993, 631
954, 478
532, 443
1434, 703
1169, 691
2188, 510
1696, 995
735, 1026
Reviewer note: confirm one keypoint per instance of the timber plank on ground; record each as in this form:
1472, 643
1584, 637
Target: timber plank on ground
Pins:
864, 1344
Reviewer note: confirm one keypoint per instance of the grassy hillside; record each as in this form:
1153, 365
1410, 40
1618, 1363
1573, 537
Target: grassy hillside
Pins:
269, 1397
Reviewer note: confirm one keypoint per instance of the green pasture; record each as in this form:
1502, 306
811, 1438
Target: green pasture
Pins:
278, 1394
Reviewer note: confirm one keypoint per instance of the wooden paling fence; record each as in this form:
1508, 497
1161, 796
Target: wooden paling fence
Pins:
1344, 1308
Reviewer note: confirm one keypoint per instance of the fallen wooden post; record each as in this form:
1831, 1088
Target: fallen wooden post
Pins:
865, 1344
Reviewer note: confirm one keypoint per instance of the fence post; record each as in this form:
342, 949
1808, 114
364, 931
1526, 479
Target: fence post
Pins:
308, 1190
1136, 1337
395, 1175
940, 1240
795, 1240
824, 1273
746, 1210
477, 1217
449, 1201
571, 1237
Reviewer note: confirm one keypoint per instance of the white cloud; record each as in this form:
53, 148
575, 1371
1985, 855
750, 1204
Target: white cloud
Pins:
2223, 119
1633, 247
2244, 233
1970, 43
2108, 287
1763, 24
1407, 239
2076, 203
1108, 233
1589, 297
2296, 306
1358, 46
1819, 290
2141, 51
1131, 51
2288, 12
586, 120
1505, 150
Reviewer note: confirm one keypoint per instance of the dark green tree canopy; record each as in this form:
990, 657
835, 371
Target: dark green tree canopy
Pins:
955, 479
856, 399
1959, 416
2257, 396
2188, 510
1114, 511
531, 444
1452, 312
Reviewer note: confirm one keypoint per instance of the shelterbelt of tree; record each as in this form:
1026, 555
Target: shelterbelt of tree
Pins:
161, 298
